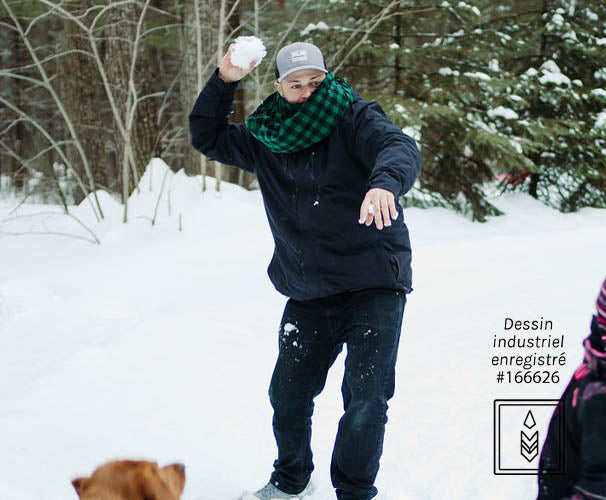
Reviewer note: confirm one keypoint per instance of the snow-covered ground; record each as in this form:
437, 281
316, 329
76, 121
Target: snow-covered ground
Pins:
159, 343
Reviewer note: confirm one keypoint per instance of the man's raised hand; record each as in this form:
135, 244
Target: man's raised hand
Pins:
230, 73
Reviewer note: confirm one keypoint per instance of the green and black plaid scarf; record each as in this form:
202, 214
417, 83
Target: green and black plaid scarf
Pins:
285, 128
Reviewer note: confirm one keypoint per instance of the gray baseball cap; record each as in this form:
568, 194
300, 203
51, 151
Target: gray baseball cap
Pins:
297, 56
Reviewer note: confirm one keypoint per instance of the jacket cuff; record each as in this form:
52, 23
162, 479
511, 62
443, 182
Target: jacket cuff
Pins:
386, 182
217, 97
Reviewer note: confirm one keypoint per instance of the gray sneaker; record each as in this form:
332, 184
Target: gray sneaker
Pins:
270, 492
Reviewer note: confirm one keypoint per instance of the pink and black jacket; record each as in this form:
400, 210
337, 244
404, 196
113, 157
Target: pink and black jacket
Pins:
582, 445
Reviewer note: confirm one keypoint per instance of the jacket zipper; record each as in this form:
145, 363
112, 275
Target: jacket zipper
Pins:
295, 207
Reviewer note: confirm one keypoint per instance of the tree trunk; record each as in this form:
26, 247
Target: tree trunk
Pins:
199, 61
397, 77
83, 99
535, 177
121, 32
233, 174
17, 135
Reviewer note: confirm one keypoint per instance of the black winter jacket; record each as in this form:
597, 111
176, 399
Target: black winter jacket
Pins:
583, 405
312, 197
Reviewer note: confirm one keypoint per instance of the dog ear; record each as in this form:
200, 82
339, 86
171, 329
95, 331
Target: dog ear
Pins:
151, 486
177, 466
79, 483
174, 476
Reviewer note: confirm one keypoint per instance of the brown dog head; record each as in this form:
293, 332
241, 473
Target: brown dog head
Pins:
132, 480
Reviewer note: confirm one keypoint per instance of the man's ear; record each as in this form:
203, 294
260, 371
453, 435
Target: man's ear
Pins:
79, 483
278, 87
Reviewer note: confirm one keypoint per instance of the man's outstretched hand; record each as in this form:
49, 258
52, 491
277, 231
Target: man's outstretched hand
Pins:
230, 73
378, 205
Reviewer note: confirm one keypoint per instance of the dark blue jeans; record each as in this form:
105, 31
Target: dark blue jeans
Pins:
312, 334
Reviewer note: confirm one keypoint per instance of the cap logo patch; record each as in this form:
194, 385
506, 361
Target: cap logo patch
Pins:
298, 56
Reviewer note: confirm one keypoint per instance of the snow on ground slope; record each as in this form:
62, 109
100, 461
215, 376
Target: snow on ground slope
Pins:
159, 343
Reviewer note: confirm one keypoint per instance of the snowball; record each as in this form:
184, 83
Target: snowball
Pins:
247, 49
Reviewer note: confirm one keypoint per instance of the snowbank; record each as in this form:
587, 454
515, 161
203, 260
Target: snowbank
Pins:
160, 343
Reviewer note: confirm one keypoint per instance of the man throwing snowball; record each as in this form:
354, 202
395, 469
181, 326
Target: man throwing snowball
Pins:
330, 167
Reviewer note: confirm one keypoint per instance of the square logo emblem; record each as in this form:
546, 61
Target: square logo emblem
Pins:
298, 56
518, 438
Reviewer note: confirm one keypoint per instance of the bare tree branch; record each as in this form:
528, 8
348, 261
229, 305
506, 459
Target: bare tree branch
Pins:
370, 25
269, 72
45, 60
56, 147
59, 104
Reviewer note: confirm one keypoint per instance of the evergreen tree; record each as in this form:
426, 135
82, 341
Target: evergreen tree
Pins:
562, 103
509, 91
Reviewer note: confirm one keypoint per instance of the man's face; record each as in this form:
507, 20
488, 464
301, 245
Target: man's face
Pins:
298, 86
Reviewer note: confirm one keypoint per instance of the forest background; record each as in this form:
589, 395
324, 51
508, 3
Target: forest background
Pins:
506, 93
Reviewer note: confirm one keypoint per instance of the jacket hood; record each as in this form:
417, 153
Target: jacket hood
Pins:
594, 359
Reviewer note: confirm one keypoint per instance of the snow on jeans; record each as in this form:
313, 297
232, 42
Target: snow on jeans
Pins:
312, 334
